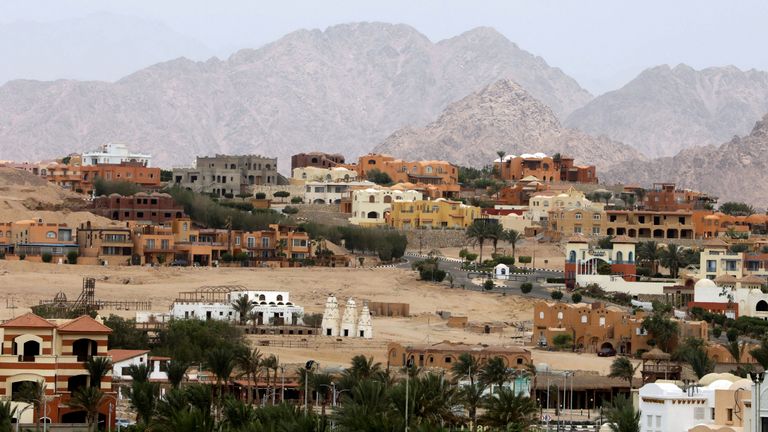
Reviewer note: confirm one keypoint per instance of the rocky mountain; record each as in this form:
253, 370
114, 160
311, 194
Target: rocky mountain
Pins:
501, 116
344, 89
665, 110
734, 171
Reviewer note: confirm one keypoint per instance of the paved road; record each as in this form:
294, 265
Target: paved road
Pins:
462, 277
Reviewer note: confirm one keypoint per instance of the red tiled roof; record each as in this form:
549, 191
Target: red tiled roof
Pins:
119, 355
28, 320
84, 324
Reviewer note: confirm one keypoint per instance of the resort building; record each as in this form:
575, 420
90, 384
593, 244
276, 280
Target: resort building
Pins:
545, 169
34, 238
114, 154
349, 323
665, 225
331, 192
709, 224
269, 307
146, 208
665, 197
582, 258
542, 203
82, 178
441, 176
439, 213
123, 359
105, 245
226, 175
718, 261
53, 352
316, 159
315, 174
588, 221
444, 355
372, 206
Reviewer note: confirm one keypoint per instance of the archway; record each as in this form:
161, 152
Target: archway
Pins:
84, 348
761, 306
77, 382
74, 417
572, 256
373, 215
619, 257
631, 257
606, 345
31, 349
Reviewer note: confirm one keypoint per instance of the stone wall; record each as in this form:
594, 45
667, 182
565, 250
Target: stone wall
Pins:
434, 239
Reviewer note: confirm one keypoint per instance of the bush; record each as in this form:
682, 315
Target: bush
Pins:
281, 194
526, 287
72, 257
205, 211
290, 210
562, 341
506, 260
556, 295
227, 257
242, 206
387, 244
379, 177
296, 200
524, 259
732, 334
47, 257
488, 284
556, 280
108, 187
576, 297
22, 257
470, 257
241, 256
717, 331
261, 195
643, 271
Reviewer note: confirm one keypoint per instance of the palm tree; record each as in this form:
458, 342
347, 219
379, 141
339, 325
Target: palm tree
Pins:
367, 407
505, 409
364, 368
249, 362
530, 370
144, 396
736, 348
513, 237
253, 317
88, 399
648, 252
431, 400
623, 368
139, 373
97, 368
32, 392
221, 361
268, 364
466, 367
495, 233
760, 354
242, 305
495, 372
177, 371
471, 397
7, 414
238, 416
478, 233
621, 415
671, 258
274, 363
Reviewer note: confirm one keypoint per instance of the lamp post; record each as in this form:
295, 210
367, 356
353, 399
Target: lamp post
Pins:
408, 366
757, 380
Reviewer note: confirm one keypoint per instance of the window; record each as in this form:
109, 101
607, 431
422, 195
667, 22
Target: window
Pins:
448, 359
595, 230
729, 414
602, 321
583, 319
560, 315
711, 265
541, 315
265, 242
251, 242
649, 422
658, 418
596, 216
577, 229
578, 216
50, 235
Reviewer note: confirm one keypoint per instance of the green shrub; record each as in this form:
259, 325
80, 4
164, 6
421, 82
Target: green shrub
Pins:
506, 260
732, 334
526, 287
261, 195
296, 200
562, 341
239, 205
205, 211
22, 257
227, 257
556, 295
556, 280
108, 187
47, 257
241, 256
470, 257
717, 331
72, 257
643, 271
386, 243
524, 259
290, 210
576, 297
281, 194
488, 284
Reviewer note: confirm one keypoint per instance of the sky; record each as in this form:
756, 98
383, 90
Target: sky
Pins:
602, 44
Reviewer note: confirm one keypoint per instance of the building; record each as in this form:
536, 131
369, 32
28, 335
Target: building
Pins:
440, 176
717, 260
82, 179
331, 192
114, 154
227, 176
666, 197
316, 159
444, 355
105, 245
371, 207
546, 169
731, 296
350, 323
35, 238
581, 258
542, 203
564, 222
123, 359
439, 213
53, 352
154, 208
314, 174
708, 224
644, 224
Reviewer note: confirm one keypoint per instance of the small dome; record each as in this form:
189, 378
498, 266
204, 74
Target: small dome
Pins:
705, 283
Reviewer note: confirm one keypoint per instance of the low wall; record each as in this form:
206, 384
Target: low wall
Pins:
618, 284
435, 239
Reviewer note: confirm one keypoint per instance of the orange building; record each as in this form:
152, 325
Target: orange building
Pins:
440, 176
81, 179
53, 352
665, 197
445, 354
545, 168
34, 238
708, 223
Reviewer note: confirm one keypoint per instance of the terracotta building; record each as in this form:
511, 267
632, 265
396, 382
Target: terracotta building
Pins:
316, 159
445, 354
645, 224
545, 169
441, 176
34, 238
439, 213
80, 178
152, 208
105, 245
53, 352
666, 197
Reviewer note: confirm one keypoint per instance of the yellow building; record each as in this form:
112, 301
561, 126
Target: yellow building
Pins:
439, 213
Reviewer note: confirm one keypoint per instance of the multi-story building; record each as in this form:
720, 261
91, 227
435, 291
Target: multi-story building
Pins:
445, 354
83, 178
439, 176
34, 238
226, 175
542, 203
105, 245
53, 352
331, 192
315, 174
644, 224
269, 307
582, 258
147, 208
370, 207
316, 159
665, 197
275, 246
546, 169
716, 224
439, 213
114, 154
588, 221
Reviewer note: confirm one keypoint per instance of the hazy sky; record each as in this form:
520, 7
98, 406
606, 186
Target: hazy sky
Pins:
602, 44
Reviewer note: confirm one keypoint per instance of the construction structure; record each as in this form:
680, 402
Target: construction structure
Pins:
86, 302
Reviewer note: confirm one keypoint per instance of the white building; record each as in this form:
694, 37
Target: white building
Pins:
501, 271
350, 324
371, 206
331, 192
310, 173
114, 154
744, 295
122, 360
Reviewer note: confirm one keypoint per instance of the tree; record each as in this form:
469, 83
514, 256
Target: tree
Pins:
221, 362
32, 392
495, 373
7, 414
471, 397
138, 373
694, 352
479, 232
143, 396
380, 178
467, 366
513, 237
623, 368
605, 242
249, 363
526, 287
663, 329
563, 341
621, 415
556, 295
488, 284
88, 399
72, 257
177, 372
509, 411
672, 258
46, 257
760, 354
125, 334
366, 407
736, 349
736, 208
242, 306
495, 232
576, 297
648, 253
97, 368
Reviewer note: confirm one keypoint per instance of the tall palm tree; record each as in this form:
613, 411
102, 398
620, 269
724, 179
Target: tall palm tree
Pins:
506, 409
7, 414
672, 258
269, 364
177, 371
249, 363
364, 367
467, 366
138, 373
88, 399
495, 373
736, 348
648, 252
221, 361
477, 232
238, 416
513, 237
32, 392
621, 415
432, 399
623, 368
242, 305
471, 397
367, 407
495, 233
143, 396
275, 365
97, 368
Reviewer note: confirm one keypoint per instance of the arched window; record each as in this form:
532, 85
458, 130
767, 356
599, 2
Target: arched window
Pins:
602, 321
631, 257
541, 315
371, 162
387, 199
761, 306
572, 256
373, 215
50, 235
583, 319
279, 297
429, 170
372, 199
314, 160
619, 256
262, 297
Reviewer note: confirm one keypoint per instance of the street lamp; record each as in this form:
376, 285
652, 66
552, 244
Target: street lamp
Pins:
408, 366
757, 380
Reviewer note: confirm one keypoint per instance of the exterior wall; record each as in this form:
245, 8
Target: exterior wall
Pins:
223, 175
35, 237
588, 221
316, 159
154, 208
649, 224
441, 176
307, 174
113, 154
439, 213
330, 192
444, 355
665, 197
719, 261
540, 205
82, 178
371, 206
110, 245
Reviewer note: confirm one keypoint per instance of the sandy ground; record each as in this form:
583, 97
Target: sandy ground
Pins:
26, 283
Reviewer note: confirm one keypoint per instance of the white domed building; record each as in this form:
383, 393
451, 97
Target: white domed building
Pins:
731, 296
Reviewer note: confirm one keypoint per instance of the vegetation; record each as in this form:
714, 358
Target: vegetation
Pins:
563, 341
672, 258
124, 334
526, 287
380, 178
488, 284
46, 257
191, 340
622, 416
736, 208
166, 175
281, 194
576, 297
387, 244
482, 230
623, 368
289, 210
661, 327
429, 270
108, 187
524, 259
556, 295
694, 352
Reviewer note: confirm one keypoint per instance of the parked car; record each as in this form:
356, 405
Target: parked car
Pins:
179, 263
606, 352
